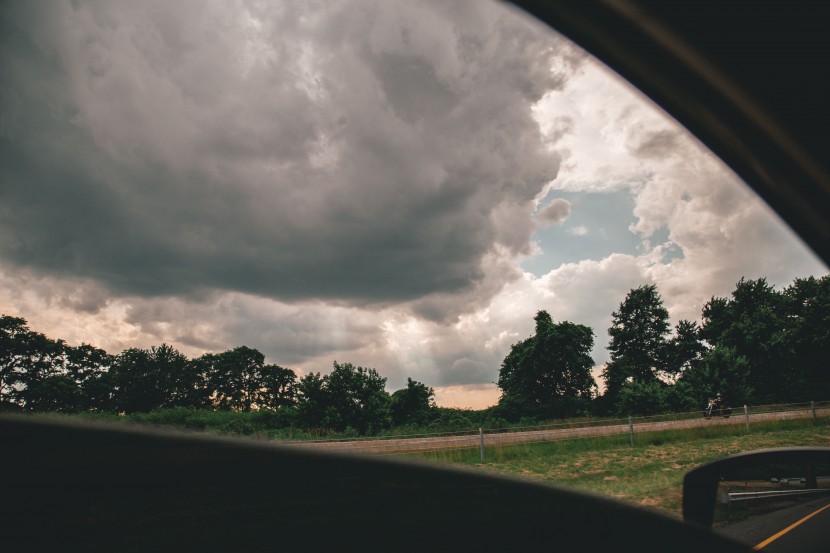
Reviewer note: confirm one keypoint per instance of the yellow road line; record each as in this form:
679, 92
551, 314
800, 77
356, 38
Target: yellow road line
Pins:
771, 539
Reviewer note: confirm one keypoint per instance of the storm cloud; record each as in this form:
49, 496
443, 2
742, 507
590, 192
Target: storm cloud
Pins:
354, 152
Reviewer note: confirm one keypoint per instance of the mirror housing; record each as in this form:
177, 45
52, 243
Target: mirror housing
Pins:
700, 486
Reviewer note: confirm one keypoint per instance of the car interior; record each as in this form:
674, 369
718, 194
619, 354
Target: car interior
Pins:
746, 78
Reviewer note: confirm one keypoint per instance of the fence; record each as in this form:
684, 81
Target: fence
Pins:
479, 438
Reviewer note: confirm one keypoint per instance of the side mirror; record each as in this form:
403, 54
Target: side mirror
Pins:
742, 489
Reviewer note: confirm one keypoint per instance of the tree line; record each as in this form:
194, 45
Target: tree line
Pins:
759, 345
38, 374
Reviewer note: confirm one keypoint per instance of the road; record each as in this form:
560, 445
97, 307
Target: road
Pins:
804, 528
472, 440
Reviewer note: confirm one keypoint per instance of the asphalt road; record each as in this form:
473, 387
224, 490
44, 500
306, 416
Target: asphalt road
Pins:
804, 528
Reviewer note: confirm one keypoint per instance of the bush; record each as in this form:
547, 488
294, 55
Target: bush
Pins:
637, 398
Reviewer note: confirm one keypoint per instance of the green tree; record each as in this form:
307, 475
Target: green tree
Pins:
549, 374
722, 371
685, 349
643, 398
41, 374
241, 381
190, 386
277, 387
88, 366
65, 380
638, 346
640, 354
312, 400
18, 353
39, 379
752, 325
135, 384
413, 404
807, 337
146, 379
347, 397
235, 378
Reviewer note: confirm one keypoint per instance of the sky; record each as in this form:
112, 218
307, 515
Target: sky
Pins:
401, 185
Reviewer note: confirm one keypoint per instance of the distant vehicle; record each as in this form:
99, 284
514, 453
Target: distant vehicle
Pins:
717, 408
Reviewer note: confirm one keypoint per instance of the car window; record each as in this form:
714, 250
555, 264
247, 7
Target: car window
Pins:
399, 186
348, 220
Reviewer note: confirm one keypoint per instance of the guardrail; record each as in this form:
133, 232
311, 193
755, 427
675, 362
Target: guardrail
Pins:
480, 438
745, 496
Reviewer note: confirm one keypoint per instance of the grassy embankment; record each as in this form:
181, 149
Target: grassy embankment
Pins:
649, 474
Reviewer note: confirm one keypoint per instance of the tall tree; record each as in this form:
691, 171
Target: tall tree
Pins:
685, 349
751, 325
89, 367
146, 379
413, 404
277, 387
43, 384
348, 397
807, 336
239, 380
638, 345
638, 333
41, 374
720, 371
67, 383
31, 369
17, 349
312, 400
548, 374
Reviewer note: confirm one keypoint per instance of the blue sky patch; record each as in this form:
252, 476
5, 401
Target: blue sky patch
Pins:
596, 227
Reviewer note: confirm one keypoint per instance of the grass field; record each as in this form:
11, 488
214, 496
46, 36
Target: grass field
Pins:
650, 473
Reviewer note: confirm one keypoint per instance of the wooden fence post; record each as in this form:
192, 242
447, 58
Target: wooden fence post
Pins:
631, 429
813, 407
746, 418
481, 443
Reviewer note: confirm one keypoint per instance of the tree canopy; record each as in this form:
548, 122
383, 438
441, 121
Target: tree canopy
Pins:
638, 347
348, 397
413, 404
548, 374
759, 345
783, 338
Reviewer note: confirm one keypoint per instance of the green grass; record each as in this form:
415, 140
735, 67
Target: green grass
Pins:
648, 474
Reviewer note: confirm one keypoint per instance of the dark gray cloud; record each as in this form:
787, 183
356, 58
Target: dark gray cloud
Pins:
354, 152
555, 212
658, 144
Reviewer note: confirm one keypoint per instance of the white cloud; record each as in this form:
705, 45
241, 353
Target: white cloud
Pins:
722, 229
579, 230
